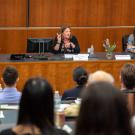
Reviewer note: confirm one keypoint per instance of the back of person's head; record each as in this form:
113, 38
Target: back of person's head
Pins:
10, 75
80, 75
103, 111
128, 76
100, 76
36, 104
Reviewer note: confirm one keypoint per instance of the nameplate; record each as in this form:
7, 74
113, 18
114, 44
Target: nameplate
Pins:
81, 57
68, 56
122, 57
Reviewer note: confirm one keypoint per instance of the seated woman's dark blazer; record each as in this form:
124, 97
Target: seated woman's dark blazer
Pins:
72, 93
66, 50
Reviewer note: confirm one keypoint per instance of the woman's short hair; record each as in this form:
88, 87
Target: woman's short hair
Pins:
103, 111
36, 104
80, 75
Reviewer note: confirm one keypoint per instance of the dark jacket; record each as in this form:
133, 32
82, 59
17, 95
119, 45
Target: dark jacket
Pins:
67, 50
72, 93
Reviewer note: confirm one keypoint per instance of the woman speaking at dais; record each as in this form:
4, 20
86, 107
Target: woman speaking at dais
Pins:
65, 42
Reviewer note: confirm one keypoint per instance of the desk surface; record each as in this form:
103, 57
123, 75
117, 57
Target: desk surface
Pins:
53, 57
58, 71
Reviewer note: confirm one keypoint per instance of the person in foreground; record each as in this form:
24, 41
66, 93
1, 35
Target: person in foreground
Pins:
65, 42
10, 94
80, 76
127, 78
36, 112
103, 111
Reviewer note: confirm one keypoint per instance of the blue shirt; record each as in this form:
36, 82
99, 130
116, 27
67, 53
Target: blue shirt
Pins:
131, 39
10, 95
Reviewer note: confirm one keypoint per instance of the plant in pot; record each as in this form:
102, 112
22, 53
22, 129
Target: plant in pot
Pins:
109, 48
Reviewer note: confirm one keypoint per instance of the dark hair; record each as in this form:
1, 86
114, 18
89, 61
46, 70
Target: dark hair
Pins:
103, 111
63, 27
10, 75
134, 32
128, 75
36, 104
80, 75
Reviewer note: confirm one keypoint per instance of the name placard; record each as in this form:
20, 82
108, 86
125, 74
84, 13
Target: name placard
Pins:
81, 57
122, 57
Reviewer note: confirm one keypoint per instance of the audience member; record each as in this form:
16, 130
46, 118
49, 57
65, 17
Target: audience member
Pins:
80, 76
103, 111
127, 76
65, 42
100, 76
10, 94
36, 112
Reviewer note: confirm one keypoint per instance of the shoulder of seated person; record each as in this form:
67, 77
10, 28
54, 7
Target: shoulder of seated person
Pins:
26, 129
131, 35
70, 90
60, 132
66, 92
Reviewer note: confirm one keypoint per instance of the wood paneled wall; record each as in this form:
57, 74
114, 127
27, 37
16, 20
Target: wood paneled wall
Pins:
88, 36
59, 73
15, 40
13, 13
92, 21
82, 12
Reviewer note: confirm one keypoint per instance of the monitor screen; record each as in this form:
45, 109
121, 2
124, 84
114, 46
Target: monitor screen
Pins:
39, 45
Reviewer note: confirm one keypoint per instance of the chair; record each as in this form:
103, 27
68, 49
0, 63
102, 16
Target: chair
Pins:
8, 113
124, 42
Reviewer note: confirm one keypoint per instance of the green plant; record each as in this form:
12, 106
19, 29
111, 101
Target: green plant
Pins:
109, 47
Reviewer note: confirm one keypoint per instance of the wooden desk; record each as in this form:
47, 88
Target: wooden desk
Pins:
59, 73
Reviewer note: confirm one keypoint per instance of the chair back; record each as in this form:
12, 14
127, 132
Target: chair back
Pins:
124, 42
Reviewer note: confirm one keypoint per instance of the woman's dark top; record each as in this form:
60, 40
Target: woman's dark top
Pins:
62, 49
73, 93
53, 132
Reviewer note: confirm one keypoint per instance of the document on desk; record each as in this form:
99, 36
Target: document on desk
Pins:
122, 57
83, 57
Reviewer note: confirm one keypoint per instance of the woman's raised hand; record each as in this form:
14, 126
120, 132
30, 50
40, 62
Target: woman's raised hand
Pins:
59, 38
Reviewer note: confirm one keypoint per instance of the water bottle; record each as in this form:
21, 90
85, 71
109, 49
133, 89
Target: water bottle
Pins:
57, 100
0, 88
92, 50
